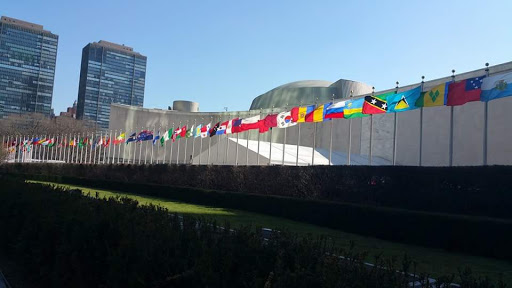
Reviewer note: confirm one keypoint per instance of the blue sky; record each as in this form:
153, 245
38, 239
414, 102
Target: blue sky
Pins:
225, 53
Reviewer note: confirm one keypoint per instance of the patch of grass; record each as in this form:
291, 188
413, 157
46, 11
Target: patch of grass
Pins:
430, 261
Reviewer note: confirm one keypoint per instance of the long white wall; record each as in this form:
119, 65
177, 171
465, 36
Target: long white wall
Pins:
431, 126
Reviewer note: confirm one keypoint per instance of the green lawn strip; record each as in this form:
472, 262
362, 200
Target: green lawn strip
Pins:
435, 262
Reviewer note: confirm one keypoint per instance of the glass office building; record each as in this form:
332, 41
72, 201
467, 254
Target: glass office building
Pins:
27, 67
110, 73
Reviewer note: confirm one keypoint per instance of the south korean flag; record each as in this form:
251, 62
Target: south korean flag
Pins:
284, 119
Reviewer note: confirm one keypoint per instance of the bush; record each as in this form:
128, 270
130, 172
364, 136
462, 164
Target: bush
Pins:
473, 235
67, 240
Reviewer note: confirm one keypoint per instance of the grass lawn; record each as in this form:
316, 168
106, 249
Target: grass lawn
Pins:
430, 261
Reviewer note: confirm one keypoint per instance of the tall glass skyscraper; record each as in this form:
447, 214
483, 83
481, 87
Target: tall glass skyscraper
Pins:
27, 67
110, 73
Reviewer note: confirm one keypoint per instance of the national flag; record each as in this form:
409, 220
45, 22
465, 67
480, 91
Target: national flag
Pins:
497, 86
119, 139
132, 138
183, 132
213, 130
284, 119
354, 109
237, 126
156, 138
145, 135
229, 127
318, 114
270, 120
335, 110
433, 97
464, 91
197, 131
222, 128
167, 135
376, 104
176, 134
106, 142
404, 101
190, 132
205, 131
299, 113
250, 123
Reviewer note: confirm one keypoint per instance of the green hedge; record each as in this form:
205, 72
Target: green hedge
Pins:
474, 191
61, 239
473, 235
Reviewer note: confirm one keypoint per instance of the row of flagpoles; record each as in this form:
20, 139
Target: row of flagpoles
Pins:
92, 148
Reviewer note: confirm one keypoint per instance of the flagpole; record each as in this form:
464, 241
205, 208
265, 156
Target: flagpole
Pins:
172, 142
98, 148
330, 137
218, 143
270, 148
50, 152
76, 144
350, 133
186, 142
247, 143
193, 139
236, 153
109, 143
158, 146
153, 145
135, 147
82, 152
451, 127
62, 140
140, 148
394, 131
486, 121
314, 137
201, 141
258, 156
209, 143
178, 149
421, 123
146, 152
227, 141
129, 149
120, 145
105, 141
284, 138
298, 140
114, 148
370, 153
165, 146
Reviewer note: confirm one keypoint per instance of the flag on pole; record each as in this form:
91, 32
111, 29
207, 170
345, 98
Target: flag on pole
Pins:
433, 97
250, 123
284, 119
205, 131
197, 131
190, 132
495, 87
229, 127
318, 114
156, 138
145, 135
404, 101
299, 113
354, 109
335, 110
375, 104
461, 92
119, 139
132, 138
213, 130
222, 128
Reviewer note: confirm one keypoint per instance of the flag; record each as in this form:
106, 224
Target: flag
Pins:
464, 91
156, 138
190, 132
354, 109
205, 131
335, 110
284, 119
299, 113
495, 87
145, 135
167, 135
119, 139
213, 130
222, 128
270, 121
229, 127
404, 101
106, 142
433, 97
197, 131
376, 104
250, 123
318, 114
183, 132
176, 134
132, 138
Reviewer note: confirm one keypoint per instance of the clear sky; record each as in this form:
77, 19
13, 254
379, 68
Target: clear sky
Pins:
225, 53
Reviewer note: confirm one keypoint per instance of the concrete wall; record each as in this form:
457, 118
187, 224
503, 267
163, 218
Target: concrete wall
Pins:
433, 122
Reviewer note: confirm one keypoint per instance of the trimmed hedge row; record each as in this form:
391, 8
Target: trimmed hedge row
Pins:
473, 235
482, 191
64, 239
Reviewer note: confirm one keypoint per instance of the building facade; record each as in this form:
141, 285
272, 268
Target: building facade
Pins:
27, 67
476, 133
110, 73
70, 111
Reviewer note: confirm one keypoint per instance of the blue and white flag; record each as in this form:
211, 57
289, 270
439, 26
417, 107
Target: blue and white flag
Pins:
156, 138
497, 86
